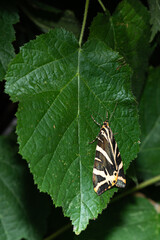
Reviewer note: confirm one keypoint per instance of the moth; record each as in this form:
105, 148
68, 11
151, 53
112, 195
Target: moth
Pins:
108, 166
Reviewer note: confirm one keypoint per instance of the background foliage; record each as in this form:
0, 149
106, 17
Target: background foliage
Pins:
55, 83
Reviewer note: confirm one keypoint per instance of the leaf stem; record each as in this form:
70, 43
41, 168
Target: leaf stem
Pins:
102, 5
84, 22
137, 188
59, 232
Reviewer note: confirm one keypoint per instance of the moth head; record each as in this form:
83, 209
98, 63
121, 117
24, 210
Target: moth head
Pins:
106, 123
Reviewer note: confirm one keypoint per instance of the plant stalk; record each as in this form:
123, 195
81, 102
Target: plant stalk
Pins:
59, 232
84, 22
102, 5
137, 188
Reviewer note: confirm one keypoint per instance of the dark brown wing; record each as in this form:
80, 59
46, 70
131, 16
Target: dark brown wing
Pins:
105, 171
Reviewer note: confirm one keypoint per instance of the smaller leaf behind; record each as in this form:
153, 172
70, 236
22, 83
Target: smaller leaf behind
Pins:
8, 17
128, 32
154, 6
148, 164
130, 218
20, 203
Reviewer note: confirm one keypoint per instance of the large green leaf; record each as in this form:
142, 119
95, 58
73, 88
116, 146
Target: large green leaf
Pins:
23, 211
154, 6
148, 164
8, 17
132, 218
128, 32
59, 86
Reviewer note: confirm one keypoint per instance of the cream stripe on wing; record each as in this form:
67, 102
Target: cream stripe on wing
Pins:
100, 139
120, 166
99, 149
108, 130
109, 139
101, 173
115, 153
104, 134
97, 159
108, 178
99, 184
118, 154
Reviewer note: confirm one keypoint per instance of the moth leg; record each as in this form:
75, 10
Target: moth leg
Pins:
115, 133
93, 140
96, 121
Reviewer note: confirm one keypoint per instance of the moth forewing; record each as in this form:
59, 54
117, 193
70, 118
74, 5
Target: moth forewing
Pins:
108, 166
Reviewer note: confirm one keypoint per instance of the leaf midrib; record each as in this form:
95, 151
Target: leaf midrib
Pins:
79, 136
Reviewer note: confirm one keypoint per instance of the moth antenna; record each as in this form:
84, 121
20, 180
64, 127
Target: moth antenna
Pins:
107, 116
